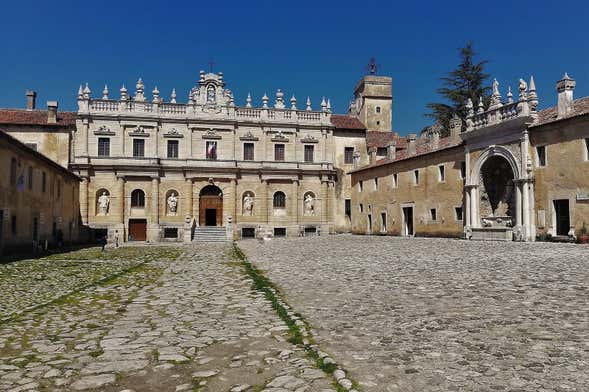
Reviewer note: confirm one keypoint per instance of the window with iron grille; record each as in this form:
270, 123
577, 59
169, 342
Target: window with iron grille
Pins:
211, 150
103, 147
138, 148
309, 153
279, 200
173, 148
279, 152
248, 151
349, 155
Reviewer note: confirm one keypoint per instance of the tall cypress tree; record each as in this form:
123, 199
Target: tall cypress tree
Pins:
466, 81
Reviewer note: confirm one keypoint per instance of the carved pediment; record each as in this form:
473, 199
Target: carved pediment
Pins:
104, 130
279, 137
309, 139
139, 131
174, 133
249, 136
211, 134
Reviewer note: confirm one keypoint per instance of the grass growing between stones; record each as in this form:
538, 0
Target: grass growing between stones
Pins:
300, 336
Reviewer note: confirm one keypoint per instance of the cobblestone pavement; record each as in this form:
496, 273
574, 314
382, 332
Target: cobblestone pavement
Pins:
190, 324
440, 315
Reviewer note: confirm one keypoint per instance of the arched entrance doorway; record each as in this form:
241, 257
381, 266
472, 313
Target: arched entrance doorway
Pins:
497, 195
210, 210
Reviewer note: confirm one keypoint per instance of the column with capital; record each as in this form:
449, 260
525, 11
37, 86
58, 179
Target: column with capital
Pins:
526, 210
467, 207
518, 208
474, 213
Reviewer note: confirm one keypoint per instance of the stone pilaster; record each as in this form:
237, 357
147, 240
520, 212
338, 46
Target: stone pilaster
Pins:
84, 206
189, 198
265, 203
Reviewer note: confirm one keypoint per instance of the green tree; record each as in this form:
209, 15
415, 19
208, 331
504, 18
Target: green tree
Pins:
466, 81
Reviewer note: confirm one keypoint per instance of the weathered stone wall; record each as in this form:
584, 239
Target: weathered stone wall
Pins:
566, 174
56, 205
445, 196
54, 144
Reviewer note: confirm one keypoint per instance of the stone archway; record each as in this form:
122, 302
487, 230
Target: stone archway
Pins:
496, 190
210, 210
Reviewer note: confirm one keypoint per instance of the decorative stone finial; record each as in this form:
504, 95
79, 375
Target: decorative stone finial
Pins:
105, 92
248, 101
293, 103
481, 108
173, 96
496, 96
523, 90
87, 91
80, 93
265, 101
533, 96
469, 108
279, 99
323, 104
156, 95
139, 91
509, 95
124, 95
308, 104
328, 105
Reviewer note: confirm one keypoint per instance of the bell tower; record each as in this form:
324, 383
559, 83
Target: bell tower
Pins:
373, 100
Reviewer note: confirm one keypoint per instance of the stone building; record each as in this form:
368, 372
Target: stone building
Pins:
156, 170
38, 199
514, 173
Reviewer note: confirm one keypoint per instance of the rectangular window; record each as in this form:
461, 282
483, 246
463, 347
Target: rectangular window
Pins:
441, 173
381, 152
349, 155
383, 222
587, 149
170, 232
211, 150
279, 152
416, 177
173, 147
458, 213
378, 109
248, 232
138, 148
361, 186
376, 183
433, 214
43, 182
541, 155
103, 147
13, 224
30, 177
361, 207
463, 170
309, 153
395, 180
280, 232
248, 151
348, 207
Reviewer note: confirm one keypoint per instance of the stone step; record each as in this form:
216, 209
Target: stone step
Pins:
210, 234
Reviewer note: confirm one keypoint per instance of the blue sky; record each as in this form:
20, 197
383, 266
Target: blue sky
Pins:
309, 48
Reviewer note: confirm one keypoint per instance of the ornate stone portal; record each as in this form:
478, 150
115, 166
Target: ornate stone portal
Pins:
496, 193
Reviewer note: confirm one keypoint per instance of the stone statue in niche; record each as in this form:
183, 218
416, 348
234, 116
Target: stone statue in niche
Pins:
103, 203
309, 204
172, 204
248, 205
211, 94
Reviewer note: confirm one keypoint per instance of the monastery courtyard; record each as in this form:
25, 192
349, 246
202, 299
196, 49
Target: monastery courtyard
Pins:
396, 314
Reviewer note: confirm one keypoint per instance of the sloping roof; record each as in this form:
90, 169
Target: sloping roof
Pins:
35, 117
548, 115
344, 121
18, 144
423, 148
375, 139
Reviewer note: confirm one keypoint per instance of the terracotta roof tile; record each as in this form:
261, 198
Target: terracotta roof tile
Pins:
548, 115
344, 121
35, 117
423, 147
375, 139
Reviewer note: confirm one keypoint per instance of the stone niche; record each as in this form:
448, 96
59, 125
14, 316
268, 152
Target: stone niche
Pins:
497, 193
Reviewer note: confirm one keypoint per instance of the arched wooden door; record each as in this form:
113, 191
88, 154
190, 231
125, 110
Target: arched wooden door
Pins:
210, 206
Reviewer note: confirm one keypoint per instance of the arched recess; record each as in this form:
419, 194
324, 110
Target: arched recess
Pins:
210, 206
493, 151
137, 198
102, 202
172, 202
248, 203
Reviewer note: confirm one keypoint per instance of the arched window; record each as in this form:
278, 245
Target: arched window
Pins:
137, 198
279, 200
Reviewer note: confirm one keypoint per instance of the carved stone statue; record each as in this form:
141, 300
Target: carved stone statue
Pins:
248, 205
103, 203
309, 203
172, 204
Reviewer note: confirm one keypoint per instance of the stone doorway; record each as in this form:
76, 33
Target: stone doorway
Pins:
211, 206
408, 221
137, 229
562, 218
